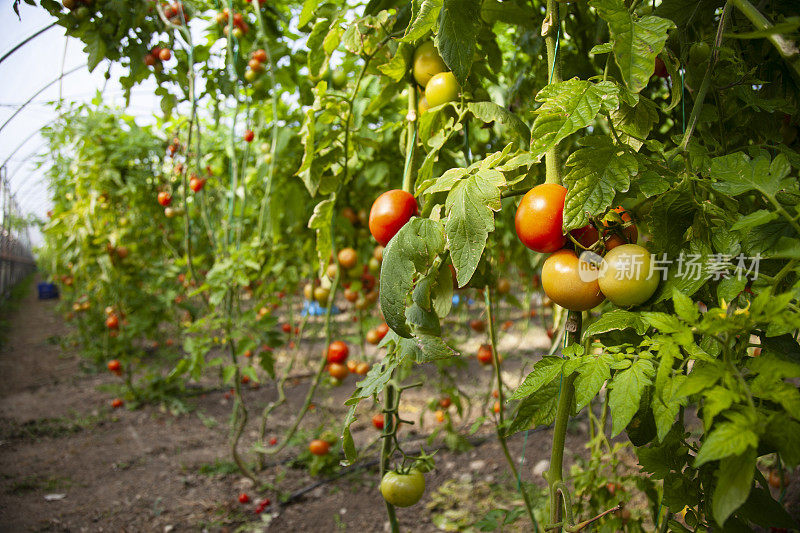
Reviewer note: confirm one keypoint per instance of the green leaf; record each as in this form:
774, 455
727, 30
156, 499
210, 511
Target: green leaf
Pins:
397, 67
734, 481
595, 370
605, 48
470, 207
567, 107
637, 42
737, 174
685, 307
597, 172
703, 376
627, 388
616, 320
634, 123
424, 21
544, 371
317, 58
489, 111
411, 251
458, 31
728, 439
537, 410
348, 445
307, 13
321, 221
756, 218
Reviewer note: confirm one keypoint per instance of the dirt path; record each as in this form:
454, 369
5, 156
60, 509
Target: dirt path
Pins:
70, 463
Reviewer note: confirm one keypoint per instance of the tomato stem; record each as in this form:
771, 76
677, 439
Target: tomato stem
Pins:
391, 397
550, 26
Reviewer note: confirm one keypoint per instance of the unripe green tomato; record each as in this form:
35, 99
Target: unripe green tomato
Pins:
374, 265
442, 88
403, 490
355, 272
82, 13
238, 33
427, 63
338, 78
699, 53
626, 277
251, 75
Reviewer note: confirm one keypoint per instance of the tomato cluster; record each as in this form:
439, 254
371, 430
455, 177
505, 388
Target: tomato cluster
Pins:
430, 71
240, 27
255, 66
624, 276
156, 56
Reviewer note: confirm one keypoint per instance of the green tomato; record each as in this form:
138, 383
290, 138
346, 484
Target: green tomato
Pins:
626, 277
338, 78
442, 88
251, 75
403, 490
374, 265
699, 53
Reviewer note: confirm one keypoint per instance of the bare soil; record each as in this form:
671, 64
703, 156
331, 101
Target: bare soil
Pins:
68, 462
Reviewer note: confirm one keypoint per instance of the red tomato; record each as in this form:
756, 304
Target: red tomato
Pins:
164, 198
244, 498
661, 69
114, 366
390, 212
286, 328
496, 407
478, 325
112, 322
196, 184
485, 354
588, 236
540, 217
445, 402
273, 441
260, 55
117, 403
378, 421
382, 330
164, 54
338, 352
249, 136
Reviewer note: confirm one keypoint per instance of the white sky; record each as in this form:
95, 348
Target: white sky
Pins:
28, 70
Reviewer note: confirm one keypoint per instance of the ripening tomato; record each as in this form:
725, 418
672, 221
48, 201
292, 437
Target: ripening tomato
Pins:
477, 325
540, 217
286, 328
114, 366
347, 258
338, 371
442, 88
373, 337
495, 393
660, 69
503, 286
445, 402
626, 275
422, 105
403, 489
165, 54
319, 447
196, 184
775, 479
249, 136
321, 295
390, 212
164, 198
338, 352
382, 329
378, 421
260, 55
588, 236
485, 354
562, 283
427, 63
362, 369
496, 407
116, 403
112, 322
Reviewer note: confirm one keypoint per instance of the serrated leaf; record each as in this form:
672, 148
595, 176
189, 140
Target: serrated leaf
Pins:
458, 31
321, 221
637, 41
627, 388
538, 409
618, 320
432, 348
397, 67
594, 371
424, 21
307, 13
756, 218
412, 250
567, 107
489, 111
727, 439
685, 307
597, 172
544, 371
734, 481
634, 123
737, 174
470, 218
317, 59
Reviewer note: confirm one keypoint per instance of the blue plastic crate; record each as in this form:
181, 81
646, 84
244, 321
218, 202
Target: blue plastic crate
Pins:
47, 291
314, 309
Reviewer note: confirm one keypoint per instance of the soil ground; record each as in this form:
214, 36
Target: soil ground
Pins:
68, 462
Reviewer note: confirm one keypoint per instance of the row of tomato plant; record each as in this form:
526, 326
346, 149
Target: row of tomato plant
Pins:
567, 140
